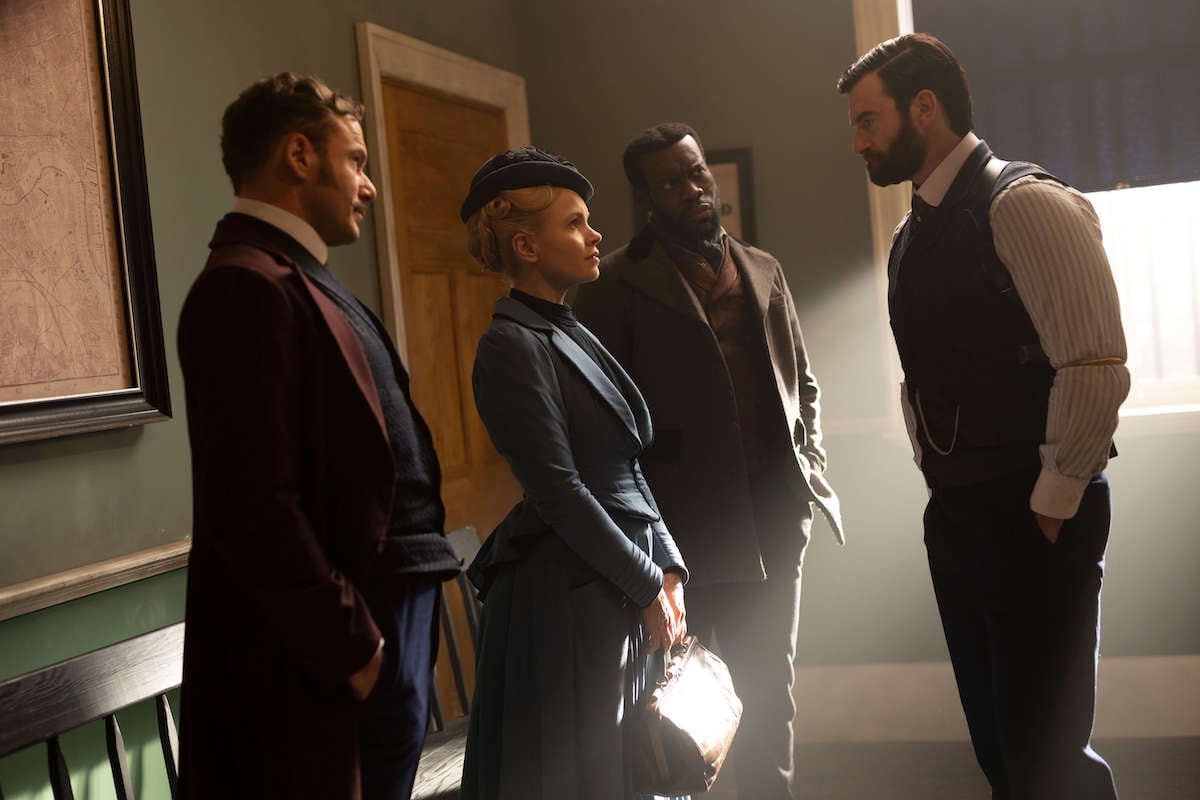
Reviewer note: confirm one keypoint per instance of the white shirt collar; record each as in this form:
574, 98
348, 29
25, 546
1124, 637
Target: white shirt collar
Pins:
933, 190
287, 222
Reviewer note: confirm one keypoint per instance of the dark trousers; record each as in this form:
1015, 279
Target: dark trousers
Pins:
1022, 623
755, 627
396, 715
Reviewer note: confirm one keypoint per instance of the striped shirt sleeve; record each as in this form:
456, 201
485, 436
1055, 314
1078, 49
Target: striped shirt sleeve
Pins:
1048, 236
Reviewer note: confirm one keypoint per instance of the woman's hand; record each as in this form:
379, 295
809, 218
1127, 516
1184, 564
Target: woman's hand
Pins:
673, 587
663, 618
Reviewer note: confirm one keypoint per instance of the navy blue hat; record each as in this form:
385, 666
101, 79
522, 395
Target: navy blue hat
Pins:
518, 169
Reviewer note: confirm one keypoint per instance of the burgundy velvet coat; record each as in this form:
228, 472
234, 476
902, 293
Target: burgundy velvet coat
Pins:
292, 485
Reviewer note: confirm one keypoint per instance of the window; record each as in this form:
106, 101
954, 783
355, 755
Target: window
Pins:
1152, 236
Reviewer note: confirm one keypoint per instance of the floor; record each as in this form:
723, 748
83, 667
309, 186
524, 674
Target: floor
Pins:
1146, 769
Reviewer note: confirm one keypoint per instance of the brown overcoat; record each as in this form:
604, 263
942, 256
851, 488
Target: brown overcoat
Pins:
292, 485
643, 311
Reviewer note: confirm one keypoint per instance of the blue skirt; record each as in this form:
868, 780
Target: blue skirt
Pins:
558, 667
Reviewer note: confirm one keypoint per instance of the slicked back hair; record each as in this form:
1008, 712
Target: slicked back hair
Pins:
274, 107
652, 140
913, 62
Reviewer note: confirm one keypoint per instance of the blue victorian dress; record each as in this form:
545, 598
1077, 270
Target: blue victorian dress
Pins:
564, 577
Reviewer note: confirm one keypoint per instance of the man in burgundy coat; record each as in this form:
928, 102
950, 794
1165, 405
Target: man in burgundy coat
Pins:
317, 542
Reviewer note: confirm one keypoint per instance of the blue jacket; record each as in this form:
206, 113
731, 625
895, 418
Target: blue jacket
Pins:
572, 439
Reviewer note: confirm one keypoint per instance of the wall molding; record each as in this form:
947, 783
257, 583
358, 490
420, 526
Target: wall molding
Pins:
39, 593
1138, 697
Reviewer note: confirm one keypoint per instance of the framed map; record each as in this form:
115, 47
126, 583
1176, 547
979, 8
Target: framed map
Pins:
81, 345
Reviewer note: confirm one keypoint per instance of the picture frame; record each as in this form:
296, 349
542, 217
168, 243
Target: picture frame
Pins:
733, 170
109, 234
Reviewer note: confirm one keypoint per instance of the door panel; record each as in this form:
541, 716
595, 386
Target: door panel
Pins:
435, 144
434, 355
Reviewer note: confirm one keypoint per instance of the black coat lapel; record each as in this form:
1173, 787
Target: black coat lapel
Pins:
243, 229
759, 277
658, 277
609, 393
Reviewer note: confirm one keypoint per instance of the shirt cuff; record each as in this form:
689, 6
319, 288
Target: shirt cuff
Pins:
679, 570
1057, 495
652, 590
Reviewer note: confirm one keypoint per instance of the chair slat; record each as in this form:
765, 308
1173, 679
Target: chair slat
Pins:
41, 705
437, 722
55, 699
168, 736
456, 667
60, 776
122, 783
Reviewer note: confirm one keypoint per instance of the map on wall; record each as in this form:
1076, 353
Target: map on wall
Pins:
63, 325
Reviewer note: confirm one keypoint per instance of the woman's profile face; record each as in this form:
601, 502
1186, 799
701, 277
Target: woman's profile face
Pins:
565, 244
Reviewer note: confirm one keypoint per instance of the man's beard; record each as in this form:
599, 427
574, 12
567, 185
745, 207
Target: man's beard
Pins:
903, 158
688, 232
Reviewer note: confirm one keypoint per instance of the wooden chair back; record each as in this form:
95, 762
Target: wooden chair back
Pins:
41, 705
460, 604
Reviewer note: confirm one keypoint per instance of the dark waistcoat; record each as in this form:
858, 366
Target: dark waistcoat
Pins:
977, 378
415, 541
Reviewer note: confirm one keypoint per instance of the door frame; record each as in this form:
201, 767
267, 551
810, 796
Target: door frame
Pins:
875, 21
386, 54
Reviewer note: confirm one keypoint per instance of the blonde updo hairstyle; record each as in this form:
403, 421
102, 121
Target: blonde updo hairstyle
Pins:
491, 229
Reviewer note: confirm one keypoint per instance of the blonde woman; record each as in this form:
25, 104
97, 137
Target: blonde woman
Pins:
582, 580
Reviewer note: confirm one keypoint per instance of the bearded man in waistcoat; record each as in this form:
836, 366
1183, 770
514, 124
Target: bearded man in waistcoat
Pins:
1007, 322
706, 326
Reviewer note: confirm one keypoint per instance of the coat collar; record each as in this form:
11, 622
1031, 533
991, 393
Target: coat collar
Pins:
625, 400
240, 229
976, 161
758, 275
237, 228
933, 190
656, 275
287, 222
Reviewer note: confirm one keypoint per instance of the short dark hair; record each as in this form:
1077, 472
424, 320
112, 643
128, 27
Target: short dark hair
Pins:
911, 63
273, 107
652, 140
